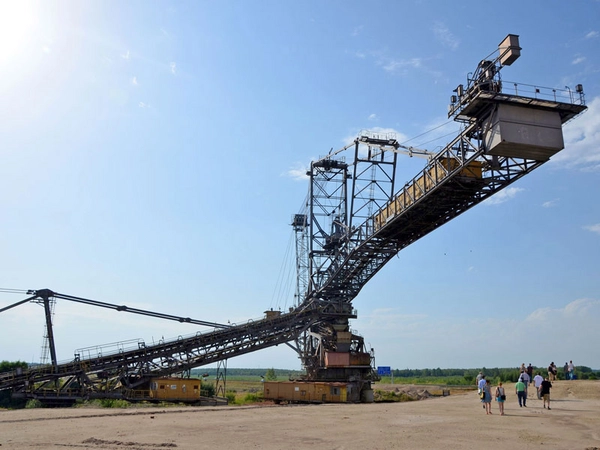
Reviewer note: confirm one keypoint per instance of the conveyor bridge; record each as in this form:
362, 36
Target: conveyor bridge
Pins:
355, 220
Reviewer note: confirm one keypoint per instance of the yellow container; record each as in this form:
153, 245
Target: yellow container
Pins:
431, 178
305, 391
172, 389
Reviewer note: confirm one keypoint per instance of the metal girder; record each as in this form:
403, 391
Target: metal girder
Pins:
132, 367
447, 187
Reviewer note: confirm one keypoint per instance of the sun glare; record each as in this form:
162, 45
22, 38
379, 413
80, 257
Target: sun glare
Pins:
17, 23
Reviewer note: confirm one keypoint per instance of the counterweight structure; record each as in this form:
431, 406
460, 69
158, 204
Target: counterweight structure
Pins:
356, 219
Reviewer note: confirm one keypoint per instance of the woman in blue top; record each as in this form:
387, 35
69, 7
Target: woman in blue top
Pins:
487, 397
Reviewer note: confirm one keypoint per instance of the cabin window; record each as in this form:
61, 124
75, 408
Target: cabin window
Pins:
173, 387
335, 390
162, 386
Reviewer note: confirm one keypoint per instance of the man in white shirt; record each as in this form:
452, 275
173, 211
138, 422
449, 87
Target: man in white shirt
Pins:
537, 381
571, 370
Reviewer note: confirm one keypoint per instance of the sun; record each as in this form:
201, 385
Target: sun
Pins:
17, 24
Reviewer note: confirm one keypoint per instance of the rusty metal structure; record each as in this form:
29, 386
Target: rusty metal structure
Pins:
357, 217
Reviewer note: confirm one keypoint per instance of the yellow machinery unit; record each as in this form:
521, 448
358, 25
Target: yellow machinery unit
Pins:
175, 389
306, 392
436, 172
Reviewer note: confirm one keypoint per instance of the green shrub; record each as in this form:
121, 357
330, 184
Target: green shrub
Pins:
33, 403
113, 403
252, 398
230, 396
207, 390
391, 396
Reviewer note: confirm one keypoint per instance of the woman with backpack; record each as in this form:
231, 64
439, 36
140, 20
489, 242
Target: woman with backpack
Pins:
500, 397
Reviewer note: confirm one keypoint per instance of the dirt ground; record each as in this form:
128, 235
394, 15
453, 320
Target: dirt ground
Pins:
457, 421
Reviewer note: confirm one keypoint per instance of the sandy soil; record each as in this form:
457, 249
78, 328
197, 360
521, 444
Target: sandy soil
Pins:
455, 421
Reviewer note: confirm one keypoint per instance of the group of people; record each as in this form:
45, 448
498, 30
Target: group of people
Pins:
568, 371
542, 387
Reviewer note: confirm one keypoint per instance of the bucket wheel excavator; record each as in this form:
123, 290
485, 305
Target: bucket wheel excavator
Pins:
356, 218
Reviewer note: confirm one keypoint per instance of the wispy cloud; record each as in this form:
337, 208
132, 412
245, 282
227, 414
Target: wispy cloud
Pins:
445, 36
126, 55
143, 105
578, 60
550, 203
134, 81
503, 196
582, 141
592, 34
298, 172
577, 308
593, 228
373, 117
357, 30
400, 65
397, 65
435, 341
173, 67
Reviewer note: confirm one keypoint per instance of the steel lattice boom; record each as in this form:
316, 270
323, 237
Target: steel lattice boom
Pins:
356, 219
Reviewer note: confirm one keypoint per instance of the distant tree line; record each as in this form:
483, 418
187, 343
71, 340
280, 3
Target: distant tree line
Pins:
498, 374
8, 366
282, 374
5, 396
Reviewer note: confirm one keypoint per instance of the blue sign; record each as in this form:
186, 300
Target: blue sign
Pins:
384, 370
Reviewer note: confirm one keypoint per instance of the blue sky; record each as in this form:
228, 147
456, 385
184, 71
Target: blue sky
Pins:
150, 154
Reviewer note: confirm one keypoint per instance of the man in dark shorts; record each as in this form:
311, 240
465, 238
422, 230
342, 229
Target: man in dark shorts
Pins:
545, 391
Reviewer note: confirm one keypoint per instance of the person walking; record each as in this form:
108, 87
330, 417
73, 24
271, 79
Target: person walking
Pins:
521, 393
480, 385
479, 377
486, 399
552, 371
530, 373
545, 390
525, 378
537, 382
566, 371
500, 397
571, 371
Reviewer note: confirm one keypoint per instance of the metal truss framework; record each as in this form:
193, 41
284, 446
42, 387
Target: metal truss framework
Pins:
345, 259
354, 235
130, 368
356, 220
